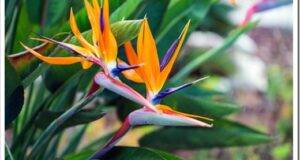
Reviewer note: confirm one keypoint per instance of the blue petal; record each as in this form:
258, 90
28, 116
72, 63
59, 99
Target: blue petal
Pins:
169, 91
120, 68
168, 55
102, 20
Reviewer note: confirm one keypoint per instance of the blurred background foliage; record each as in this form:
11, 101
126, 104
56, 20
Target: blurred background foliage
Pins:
249, 92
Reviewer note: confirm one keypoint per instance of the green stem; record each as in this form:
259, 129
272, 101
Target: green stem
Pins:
26, 107
27, 139
9, 152
75, 141
54, 126
19, 139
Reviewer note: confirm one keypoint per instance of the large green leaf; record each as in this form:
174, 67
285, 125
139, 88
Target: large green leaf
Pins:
125, 30
11, 8
200, 106
125, 10
122, 12
8, 154
232, 37
75, 140
99, 142
39, 103
47, 13
217, 19
23, 31
12, 14
224, 133
126, 153
154, 11
57, 123
177, 15
84, 116
14, 93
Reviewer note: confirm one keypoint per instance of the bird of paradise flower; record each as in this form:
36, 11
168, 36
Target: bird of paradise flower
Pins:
154, 74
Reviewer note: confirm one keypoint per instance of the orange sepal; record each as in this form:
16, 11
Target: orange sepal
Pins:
147, 54
86, 64
55, 60
131, 74
78, 35
94, 21
110, 42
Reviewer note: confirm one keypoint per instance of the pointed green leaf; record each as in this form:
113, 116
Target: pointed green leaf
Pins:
82, 117
126, 153
232, 37
224, 133
177, 15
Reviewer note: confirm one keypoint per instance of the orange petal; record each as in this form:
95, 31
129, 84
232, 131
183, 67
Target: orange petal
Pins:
96, 8
130, 53
84, 52
54, 60
166, 71
97, 14
131, 74
106, 15
86, 64
168, 110
147, 54
133, 58
94, 21
108, 37
78, 35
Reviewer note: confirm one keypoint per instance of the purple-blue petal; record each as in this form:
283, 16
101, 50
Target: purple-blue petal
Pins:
168, 54
122, 67
169, 91
102, 20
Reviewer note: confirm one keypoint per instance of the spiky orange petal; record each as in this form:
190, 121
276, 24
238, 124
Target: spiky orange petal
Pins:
86, 64
93, 21
111, 47
78, 35
55, 60
133, 59
131, 74
147, 54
